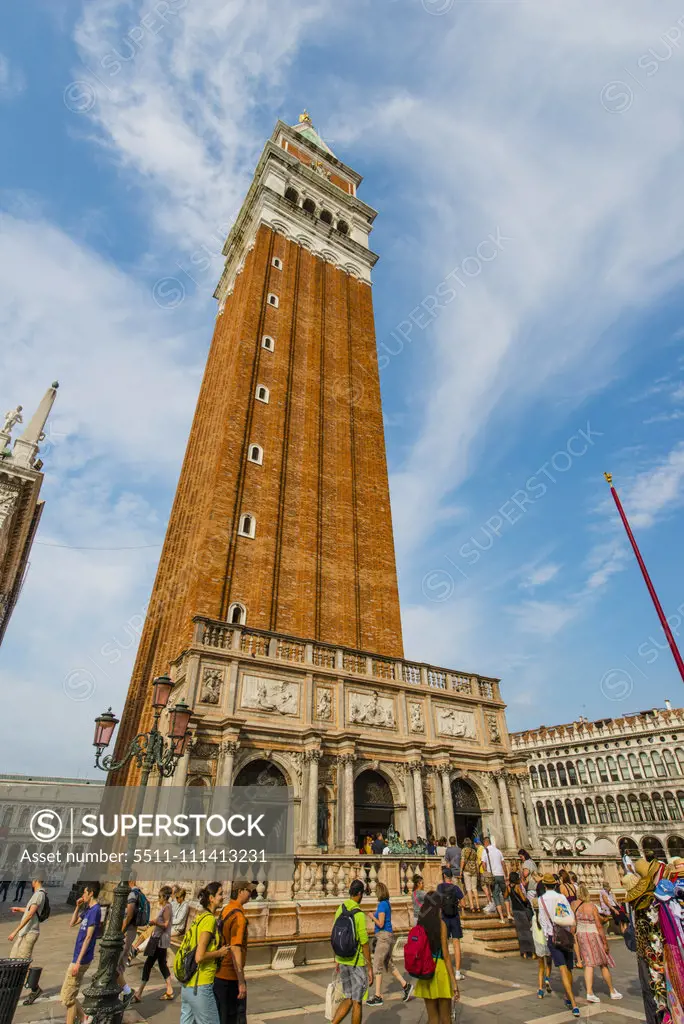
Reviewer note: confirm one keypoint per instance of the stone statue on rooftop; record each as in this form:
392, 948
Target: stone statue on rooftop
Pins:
11, 419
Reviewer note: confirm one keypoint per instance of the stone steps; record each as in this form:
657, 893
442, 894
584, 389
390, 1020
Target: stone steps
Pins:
502, 946
496, 933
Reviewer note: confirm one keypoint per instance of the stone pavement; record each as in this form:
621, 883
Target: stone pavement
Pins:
494, 990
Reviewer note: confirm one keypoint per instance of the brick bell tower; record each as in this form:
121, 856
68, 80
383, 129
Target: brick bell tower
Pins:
281, 518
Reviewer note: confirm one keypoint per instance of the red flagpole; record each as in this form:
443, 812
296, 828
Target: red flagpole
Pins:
644, 572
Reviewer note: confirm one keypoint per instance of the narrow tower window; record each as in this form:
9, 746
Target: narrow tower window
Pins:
247, 526
262, 393
309, 206
256, 454
277, 263
292, 194
268, 342
326, 216
343, 227
237, 614
272, 300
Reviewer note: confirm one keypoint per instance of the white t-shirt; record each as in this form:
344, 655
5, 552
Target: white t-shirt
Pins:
494, 860
554, 909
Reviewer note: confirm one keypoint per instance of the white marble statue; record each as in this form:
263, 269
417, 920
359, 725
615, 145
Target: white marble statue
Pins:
416, 713
277, 696
211, 686
323, 704
456, 723
370, 712
11, 419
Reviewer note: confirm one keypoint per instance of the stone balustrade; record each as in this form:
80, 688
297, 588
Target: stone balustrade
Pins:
330, 876
256, 643
592, 871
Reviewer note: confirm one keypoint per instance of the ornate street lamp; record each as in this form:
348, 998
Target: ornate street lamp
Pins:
151, 752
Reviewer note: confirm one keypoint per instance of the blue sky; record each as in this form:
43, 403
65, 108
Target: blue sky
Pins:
526, 161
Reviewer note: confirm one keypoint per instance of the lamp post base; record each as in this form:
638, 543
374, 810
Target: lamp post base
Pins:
102, 997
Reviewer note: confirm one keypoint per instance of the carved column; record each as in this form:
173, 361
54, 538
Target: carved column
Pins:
528, 802
441, 826
225, 773
448, 803
408, 830
507, 819
349, 837
313, 757
421, 827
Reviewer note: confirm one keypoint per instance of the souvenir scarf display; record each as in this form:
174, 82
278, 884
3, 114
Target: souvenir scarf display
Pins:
670, 895
649, 941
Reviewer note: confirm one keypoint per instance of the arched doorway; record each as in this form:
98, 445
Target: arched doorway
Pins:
653, 848
466, 810
373, 806
675, 846
260, 773
627, 845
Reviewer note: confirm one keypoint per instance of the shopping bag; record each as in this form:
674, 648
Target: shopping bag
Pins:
333, 996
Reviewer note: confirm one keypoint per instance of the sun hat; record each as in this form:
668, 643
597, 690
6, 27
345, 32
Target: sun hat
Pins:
549, 880
664, 890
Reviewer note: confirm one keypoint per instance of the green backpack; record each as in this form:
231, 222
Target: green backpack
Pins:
185, 965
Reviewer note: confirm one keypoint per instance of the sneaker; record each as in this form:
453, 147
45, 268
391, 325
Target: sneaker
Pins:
375, 1001
408, 989
615, 994
459, 976
540, 993
591, 998
575, 1011
547, 985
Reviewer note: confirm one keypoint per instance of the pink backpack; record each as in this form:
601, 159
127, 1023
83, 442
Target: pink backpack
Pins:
418, 960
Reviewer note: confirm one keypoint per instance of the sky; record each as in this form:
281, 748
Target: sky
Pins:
525, 158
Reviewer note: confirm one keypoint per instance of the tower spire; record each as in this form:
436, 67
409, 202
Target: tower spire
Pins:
26, 446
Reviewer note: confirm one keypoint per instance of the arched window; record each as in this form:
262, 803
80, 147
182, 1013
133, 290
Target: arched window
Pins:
580, 812
560, 813
591, 768
601, 765
624, 809
635, 766
309, 206
268, 342
672, 807
602, 812
262, 393
326, 216
591, 811
542, 777
670, 763
646, 807
582, 772
562, 777
247, 526
534, 778
661, 813
646, 765
277, 262
541, 813
612, 809
292, 194
623, 766
550, 813
273, 299
612, 769
552, 777
256, 454
659, 766
635, 807
679, 754
570, 812
343, 227
237, 614
24, 818
7, 817
572, 774
680, 800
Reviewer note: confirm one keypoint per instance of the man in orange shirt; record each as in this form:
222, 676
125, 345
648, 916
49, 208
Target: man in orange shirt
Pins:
230, 987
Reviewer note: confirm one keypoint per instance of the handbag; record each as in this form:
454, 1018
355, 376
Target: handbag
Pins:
563, 939
152, 945
333, 995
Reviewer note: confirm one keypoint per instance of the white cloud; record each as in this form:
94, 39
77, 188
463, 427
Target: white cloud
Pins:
543, 618
12, 80
657, 490
540, 575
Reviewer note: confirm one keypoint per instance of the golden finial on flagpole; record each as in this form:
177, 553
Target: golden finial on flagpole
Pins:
304, 117
609, 478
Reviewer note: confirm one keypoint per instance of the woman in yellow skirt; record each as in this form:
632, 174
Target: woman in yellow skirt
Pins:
441, 989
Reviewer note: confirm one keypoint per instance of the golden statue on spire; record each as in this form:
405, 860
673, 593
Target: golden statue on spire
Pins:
305, 117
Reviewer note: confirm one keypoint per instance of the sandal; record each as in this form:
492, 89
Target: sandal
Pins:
167, 998
137, 998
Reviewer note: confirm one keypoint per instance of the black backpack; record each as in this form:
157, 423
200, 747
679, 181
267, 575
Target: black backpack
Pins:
44, 911
449, 901
343, 937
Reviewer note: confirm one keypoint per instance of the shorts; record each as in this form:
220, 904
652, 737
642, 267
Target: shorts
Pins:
354, 982
71, 985
382, 954
498, 890
470, 882
453, 927
559, 957
22, 948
